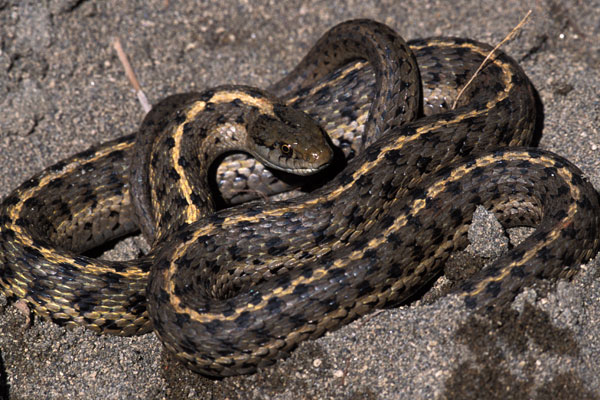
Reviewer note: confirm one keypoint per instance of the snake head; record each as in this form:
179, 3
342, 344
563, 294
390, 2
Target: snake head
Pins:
289, 140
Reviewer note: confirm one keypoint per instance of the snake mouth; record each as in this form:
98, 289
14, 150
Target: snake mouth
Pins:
296, 169
308, 171
312, 162
307, 164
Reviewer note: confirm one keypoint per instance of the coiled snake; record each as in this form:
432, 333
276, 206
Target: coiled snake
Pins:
241, 287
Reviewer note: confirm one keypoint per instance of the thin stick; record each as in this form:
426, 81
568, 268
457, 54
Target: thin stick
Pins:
131, 75
490, 55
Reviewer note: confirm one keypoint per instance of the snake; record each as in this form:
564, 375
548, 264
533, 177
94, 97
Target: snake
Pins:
240, 287
218, 121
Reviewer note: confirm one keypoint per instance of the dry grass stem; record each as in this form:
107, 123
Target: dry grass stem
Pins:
508, 37
131, 75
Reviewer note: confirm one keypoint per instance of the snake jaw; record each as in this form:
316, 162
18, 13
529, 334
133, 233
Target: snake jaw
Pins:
311, 161
301, 166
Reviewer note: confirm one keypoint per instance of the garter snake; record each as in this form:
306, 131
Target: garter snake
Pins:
242, 287
212, 124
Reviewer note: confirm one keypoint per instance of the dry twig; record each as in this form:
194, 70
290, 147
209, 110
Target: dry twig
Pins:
490, 55
131, 75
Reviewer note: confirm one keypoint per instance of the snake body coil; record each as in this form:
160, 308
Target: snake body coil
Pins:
187, 133
241, 287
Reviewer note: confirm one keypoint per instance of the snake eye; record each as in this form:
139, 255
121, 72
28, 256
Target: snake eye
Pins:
286, 149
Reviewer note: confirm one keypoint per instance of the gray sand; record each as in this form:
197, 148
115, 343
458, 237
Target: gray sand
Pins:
62, 89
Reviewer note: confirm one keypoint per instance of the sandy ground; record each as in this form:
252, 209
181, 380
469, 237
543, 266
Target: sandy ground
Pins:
62, 89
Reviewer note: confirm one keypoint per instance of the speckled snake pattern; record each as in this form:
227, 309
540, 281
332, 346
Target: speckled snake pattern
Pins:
240, 287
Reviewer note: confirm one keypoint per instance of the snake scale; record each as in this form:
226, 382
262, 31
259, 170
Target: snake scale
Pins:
234, 289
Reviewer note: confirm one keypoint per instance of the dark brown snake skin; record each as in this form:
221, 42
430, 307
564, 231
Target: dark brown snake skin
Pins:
240, 288
169, 181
